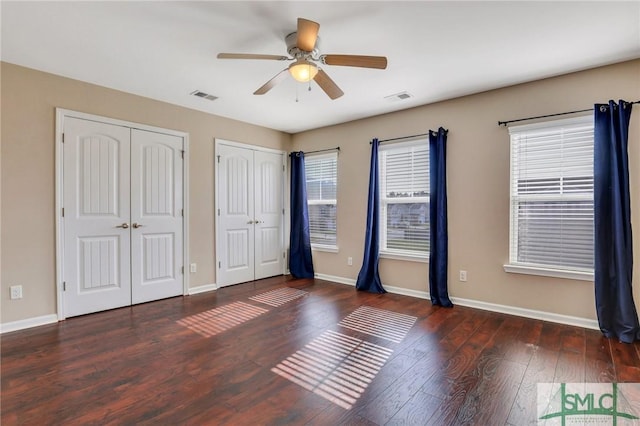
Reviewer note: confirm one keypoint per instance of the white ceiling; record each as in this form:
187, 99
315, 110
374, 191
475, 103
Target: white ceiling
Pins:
436, 50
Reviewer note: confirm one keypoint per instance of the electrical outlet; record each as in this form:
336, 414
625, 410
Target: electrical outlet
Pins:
193, 268
463, 276
350, 261
16, 292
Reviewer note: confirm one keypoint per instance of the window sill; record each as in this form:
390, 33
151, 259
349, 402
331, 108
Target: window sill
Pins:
329, 249
408, 257
548, 272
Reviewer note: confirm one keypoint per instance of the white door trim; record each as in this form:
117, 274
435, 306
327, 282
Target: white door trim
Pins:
247, 146
285, 192
61, 114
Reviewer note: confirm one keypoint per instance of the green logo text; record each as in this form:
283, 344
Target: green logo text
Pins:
589, 404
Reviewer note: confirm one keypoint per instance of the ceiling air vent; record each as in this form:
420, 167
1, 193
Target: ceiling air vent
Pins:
399, 96
204, 95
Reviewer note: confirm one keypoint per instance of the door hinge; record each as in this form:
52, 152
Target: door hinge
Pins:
218, 159
284, 255
218, 212
64, 286
182, 270
63, 212
63, 138
219, 264
182, 212
283, 212
283, 168
182, 154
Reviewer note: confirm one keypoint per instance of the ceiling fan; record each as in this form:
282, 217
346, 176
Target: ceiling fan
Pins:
303, 46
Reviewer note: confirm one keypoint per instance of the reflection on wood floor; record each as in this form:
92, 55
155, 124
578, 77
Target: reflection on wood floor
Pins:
328, 356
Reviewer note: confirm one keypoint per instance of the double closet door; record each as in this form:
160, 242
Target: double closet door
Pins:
123, 216
250, 214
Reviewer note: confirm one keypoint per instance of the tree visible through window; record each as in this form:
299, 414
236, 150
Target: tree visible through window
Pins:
321, 175
404, 198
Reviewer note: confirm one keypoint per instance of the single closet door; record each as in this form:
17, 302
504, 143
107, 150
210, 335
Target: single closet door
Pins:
156, 216
250, 214
97, 237
269, 214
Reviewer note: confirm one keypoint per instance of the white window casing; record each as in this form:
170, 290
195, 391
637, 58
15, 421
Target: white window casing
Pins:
321, 171
551, 193
404, 200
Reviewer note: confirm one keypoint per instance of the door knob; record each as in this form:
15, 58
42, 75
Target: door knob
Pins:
251, 222
123, 226
137, 225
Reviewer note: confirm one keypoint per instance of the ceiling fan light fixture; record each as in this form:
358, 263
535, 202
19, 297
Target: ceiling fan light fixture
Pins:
303, 70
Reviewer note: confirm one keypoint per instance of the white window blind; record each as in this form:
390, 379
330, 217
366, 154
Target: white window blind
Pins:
404, 197
321, 172
552, 195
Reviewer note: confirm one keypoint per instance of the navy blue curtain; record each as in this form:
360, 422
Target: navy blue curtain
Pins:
439, 238
369, 278
613, 266
300, 261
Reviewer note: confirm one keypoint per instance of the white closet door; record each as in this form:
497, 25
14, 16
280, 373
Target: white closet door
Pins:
235, 231
269, 178
96, 216
156, 216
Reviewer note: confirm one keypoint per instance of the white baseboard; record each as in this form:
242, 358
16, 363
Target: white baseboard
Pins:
478, 304
335, 279
28, 323
202, 289
528, 313
390, 289
408, 292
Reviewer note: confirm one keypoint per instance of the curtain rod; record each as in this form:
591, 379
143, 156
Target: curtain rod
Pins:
402, 137
297, 153
337, 148
504, 123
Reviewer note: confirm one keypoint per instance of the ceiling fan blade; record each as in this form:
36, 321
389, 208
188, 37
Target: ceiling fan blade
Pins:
330, 88
307, 34
251, 56
379, 62
272, 83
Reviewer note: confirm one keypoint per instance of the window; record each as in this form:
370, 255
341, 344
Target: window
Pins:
552, 195
404, 198
321, 173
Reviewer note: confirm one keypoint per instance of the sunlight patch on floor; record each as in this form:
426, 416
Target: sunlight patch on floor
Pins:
381, 323
279, 296
215, 321
335, 366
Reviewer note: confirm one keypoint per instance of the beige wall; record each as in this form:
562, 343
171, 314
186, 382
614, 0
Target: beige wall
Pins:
29, 99
478, 173
478, 187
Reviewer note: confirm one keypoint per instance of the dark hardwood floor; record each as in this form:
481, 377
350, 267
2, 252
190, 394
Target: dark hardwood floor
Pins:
200, 360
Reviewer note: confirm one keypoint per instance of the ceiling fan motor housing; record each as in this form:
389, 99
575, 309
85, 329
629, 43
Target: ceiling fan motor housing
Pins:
291, 41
